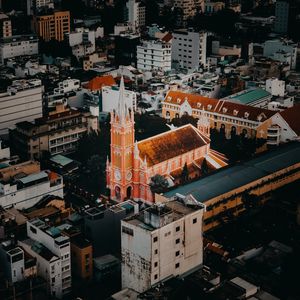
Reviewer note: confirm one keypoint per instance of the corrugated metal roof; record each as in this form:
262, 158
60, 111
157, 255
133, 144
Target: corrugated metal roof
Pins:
251, 96
231, 178
61, 160
33, 177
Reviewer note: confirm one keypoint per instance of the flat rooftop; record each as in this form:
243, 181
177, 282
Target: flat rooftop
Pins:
228, 179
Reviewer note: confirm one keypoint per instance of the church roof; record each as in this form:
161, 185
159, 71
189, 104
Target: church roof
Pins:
170, 144
219, 106
292, 117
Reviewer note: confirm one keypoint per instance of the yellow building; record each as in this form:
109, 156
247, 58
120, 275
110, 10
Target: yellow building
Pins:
52, 26
230, 191
232, 117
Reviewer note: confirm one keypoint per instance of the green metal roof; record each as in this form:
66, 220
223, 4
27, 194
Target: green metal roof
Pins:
61, 160
250, 96
228, 179
33, 177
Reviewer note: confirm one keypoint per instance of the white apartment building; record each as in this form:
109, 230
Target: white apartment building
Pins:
36, 5
189, 49
21, 102
5, 26
25, 192
154, 55
272, 49
53, 254
110, 99
82, 41
275, 87
136, 14
12, 261
18, 45
160, 242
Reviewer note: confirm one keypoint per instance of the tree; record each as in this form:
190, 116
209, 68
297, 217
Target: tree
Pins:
158, 184
185, 173
204, 167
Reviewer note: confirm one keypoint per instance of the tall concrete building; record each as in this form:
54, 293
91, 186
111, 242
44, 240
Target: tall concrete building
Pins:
136, 14
154, 55
281, 16
189, 49
162, 241
52, 26
21, 102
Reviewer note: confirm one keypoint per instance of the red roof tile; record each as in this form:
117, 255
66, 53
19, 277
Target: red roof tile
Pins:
98, 82
292, 117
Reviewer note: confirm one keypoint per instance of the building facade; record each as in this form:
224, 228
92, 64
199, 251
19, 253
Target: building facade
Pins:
163, 241
22, 102
25, 192
17, 45
133, 164
57, 133
5, 26
189, 49
154, 55
136, 14
281, 16
52, 26
231, 117
53, 254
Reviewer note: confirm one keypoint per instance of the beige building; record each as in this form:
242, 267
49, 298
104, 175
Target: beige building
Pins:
225, 115
52, 26
162, 241
5, 26
57, 133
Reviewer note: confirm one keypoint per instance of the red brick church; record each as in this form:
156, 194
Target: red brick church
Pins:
132, 163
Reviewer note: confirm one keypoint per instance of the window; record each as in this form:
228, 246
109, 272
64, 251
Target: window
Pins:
195, 221
155, 239
177, 228
155, 276
155, 251
177, 241
177, 253
155, 264
32, 229
127, 230
177, 266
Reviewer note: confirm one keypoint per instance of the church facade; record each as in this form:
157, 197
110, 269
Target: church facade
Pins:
132, 164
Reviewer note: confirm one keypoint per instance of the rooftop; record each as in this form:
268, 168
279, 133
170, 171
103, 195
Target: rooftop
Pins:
170, 144
226, 180
61, 160
249, 96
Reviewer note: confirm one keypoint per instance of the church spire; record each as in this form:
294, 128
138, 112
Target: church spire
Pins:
122, 107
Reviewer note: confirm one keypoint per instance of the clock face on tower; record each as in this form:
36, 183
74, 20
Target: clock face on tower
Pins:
128, 175
117, 175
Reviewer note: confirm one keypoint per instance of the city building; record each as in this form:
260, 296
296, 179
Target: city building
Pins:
213, 6
24, 191
22, 102
52, 26
110, 99
231, 117
133, 163
104, 224
18, 45
57, 133
163, 241
82, 41
224, 193
281, 16
35, 6
189, 49
136, 14
154, 55
188, 8
125, 49
5, 26
53, 253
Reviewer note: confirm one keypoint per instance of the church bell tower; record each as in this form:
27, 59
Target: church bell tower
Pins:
120, 168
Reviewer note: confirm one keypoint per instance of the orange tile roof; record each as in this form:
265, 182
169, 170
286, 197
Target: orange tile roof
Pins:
167, 38
98, 82
219, 106
170, 144
292, 117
